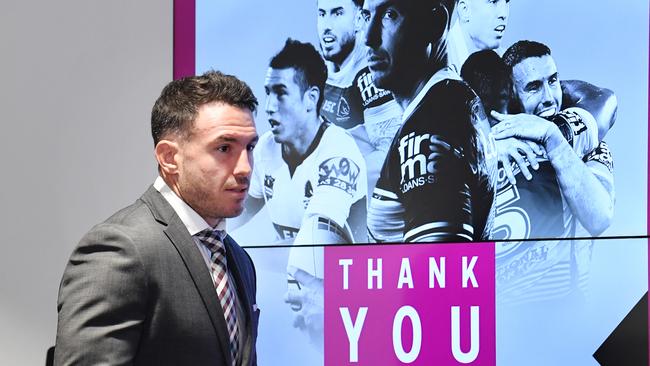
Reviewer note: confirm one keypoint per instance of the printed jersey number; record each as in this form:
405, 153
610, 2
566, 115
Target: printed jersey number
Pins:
510, 222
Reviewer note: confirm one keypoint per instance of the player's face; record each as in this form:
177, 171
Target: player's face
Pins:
285, 105
215, 161
537, 86
336, 28
486, 22
393, 40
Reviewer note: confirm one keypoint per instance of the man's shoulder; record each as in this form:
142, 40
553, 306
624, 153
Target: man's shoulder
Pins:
338, 141
135, 223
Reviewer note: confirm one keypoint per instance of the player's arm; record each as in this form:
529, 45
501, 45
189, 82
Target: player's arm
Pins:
589, 199
342, 182
577, 126
600, 102
102, 301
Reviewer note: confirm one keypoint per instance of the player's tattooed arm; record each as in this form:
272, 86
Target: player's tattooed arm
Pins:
600, 102
589, 199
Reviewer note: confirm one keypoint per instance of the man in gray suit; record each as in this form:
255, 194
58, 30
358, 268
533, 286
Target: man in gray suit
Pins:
160, 282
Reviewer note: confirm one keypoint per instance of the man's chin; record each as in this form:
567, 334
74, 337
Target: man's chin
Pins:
381, 79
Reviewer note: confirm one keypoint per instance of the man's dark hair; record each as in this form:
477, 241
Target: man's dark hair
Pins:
523, 50
310, 69
179, 102
358, 3
489, 76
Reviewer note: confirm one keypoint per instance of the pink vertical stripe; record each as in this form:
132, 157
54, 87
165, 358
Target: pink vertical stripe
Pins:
184, 38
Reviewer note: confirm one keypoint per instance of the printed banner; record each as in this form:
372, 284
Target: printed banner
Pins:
519, 124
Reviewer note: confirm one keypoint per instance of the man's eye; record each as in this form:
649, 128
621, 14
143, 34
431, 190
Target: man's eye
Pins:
365, 15
223, 148
390, 14
250, 147
338, 13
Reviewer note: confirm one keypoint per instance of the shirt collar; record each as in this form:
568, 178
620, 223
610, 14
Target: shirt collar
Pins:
192, 220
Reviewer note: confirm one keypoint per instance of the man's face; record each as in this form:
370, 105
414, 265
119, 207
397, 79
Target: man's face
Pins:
336, 28
393, 38
215, 161
285, 104
486, 22
537, 86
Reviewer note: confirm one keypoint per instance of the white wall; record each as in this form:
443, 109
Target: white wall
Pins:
78, 80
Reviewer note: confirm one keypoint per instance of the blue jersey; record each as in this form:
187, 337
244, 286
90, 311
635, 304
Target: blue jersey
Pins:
534, 271
438, 180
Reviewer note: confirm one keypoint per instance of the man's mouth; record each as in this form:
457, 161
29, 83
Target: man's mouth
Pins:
273, 123
500, 29
376, 61
327, 39
546, 112
239, 189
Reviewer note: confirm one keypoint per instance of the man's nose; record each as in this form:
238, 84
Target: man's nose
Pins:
372, 33
244, 165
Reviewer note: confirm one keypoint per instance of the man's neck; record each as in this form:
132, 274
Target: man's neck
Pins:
301, 142
405, 96
172, 183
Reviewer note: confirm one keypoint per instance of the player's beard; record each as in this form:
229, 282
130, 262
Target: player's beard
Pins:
339, 58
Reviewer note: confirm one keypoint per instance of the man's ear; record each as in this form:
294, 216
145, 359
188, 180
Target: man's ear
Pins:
311, 96
463, 11
167, 155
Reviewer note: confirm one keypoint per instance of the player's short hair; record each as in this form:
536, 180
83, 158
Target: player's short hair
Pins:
524, 49
358, 3
310, 69
179, 102
489, 76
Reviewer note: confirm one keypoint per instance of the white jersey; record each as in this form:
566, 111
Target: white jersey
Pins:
330, 179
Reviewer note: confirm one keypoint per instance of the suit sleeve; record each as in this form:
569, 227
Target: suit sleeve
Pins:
102, 301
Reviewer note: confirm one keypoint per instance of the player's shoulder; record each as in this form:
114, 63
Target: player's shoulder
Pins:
452, 90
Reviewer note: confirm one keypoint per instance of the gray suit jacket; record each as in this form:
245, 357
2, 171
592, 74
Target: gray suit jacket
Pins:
137, 291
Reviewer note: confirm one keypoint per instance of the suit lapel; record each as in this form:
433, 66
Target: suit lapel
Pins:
189, 253
242, 295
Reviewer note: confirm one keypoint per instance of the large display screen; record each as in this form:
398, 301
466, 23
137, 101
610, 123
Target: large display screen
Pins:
517, 131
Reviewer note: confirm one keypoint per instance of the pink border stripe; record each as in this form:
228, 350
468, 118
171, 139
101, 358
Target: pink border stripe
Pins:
184, 38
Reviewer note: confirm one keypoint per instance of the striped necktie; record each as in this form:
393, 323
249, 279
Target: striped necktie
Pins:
212, 239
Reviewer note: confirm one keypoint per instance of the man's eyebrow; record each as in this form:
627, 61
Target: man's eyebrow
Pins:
231, 138
534, 83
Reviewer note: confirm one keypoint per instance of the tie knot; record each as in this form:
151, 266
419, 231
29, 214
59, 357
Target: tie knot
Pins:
212, 239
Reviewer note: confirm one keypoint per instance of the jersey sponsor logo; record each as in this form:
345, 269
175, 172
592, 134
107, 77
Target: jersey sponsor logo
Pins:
369, 92
603, 155
268, 186
576, 123
420, 156
516, 268
339, 172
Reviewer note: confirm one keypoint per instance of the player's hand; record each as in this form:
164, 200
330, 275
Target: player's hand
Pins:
307, 300
523, 126
523, 152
